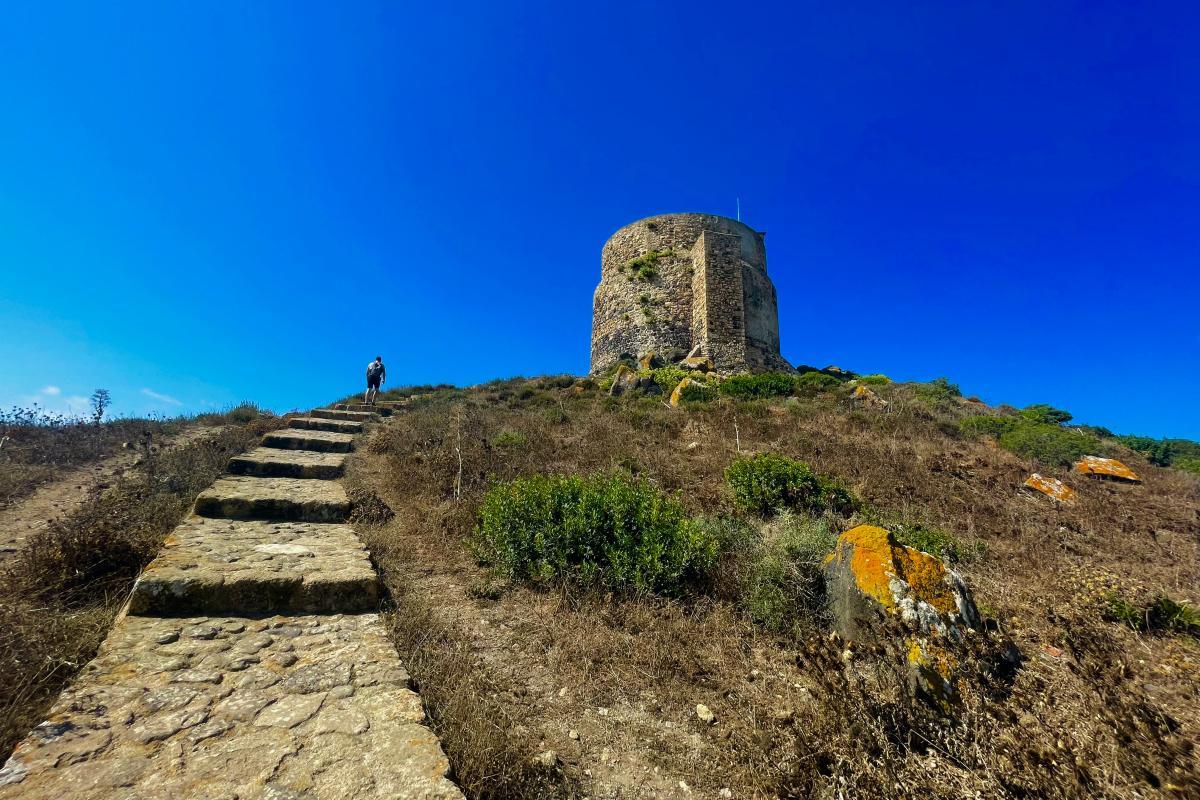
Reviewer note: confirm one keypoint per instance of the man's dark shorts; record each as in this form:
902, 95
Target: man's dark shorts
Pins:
373, 383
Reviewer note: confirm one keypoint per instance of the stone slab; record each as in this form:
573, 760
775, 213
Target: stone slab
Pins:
225, 707
245, 497
321, 441
375, 409
333, 413
318, 424
272, 462
225, 566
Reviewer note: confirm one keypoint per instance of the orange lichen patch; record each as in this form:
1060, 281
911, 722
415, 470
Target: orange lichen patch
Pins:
1106, 467
926, 577
876, 559
871, 562
1051, 487
677, 395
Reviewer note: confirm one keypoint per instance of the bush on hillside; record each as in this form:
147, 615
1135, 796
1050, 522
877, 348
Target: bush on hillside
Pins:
784, 585
667, 378
1162, 452
1046, 415
810, 384
608, 531
761, 386
697, 392
988, 425
769, 482
874, 380
1049, 444
937, 391
1191, 465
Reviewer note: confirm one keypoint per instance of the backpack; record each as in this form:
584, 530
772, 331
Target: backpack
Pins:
375, 370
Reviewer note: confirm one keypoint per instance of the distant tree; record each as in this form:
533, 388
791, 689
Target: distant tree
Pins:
1048, 415
100, 403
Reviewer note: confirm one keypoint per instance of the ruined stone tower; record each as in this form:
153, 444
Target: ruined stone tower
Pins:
676, 281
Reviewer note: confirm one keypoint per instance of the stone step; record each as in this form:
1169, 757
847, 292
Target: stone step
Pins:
294, 706
244, 497
379, 410
318, 424
225, 566
334, 413
321, 441
272, 462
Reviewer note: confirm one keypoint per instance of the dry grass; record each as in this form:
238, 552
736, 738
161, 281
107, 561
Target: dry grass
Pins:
1096, 710
60, 594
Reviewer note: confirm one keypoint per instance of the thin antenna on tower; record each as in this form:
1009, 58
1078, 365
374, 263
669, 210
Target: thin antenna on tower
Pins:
739, 207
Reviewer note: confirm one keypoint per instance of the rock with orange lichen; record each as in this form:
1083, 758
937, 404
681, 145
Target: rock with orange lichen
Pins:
864, 397
1106, 468
1051, 487
871, 580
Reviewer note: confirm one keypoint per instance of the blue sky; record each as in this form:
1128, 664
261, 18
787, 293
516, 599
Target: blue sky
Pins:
207, 202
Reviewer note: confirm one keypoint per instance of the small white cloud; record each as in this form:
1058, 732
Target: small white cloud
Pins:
162, 398
52, 391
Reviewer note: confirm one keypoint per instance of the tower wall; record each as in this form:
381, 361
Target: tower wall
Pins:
670, 282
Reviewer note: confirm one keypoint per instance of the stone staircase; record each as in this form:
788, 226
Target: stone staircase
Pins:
249, 662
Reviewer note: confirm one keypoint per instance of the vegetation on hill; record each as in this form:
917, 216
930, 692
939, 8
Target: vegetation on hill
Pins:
504, 617
36, 445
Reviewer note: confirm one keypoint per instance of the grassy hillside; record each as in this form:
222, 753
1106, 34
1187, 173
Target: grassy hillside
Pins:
515, 660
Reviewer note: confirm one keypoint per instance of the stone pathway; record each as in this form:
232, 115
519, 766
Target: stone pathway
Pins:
248, 664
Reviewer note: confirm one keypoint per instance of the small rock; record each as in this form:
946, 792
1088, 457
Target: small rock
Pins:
725, 793
547, 759
705, 714
574, 734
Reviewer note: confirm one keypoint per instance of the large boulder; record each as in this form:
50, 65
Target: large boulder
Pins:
698, 363
1108, 468
864, 397
1051, 487
650, 360
624, 380
873, 583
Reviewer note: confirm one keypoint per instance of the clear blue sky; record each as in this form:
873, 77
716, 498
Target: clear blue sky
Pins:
215, 201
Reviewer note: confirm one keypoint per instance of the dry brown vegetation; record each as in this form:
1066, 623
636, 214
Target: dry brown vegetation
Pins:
60, 593
1096, 709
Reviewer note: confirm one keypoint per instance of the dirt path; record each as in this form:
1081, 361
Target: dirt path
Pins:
33, 514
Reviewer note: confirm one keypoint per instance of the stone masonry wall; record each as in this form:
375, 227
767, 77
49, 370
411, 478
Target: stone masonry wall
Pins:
670, 282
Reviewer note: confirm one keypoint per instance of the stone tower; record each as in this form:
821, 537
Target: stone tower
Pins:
677, 281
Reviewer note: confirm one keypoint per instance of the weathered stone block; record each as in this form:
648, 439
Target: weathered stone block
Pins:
272, 462
212, 566
319, 424
321, 441
332, 413
241, 497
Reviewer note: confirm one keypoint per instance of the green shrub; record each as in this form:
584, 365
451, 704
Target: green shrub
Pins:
644, 268
784, 585
667, 378
1160, 614
931, 540
987, 425
1191, 465
811, 384
769, 482
874, 380
1046, 415
1162, 452
508, 439
761, 386
937, 391
608, 531
1049, 444
697, 392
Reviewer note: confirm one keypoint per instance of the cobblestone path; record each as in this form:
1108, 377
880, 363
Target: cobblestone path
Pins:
248, 663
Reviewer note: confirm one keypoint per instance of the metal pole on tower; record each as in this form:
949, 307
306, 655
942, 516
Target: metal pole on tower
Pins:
739, 209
